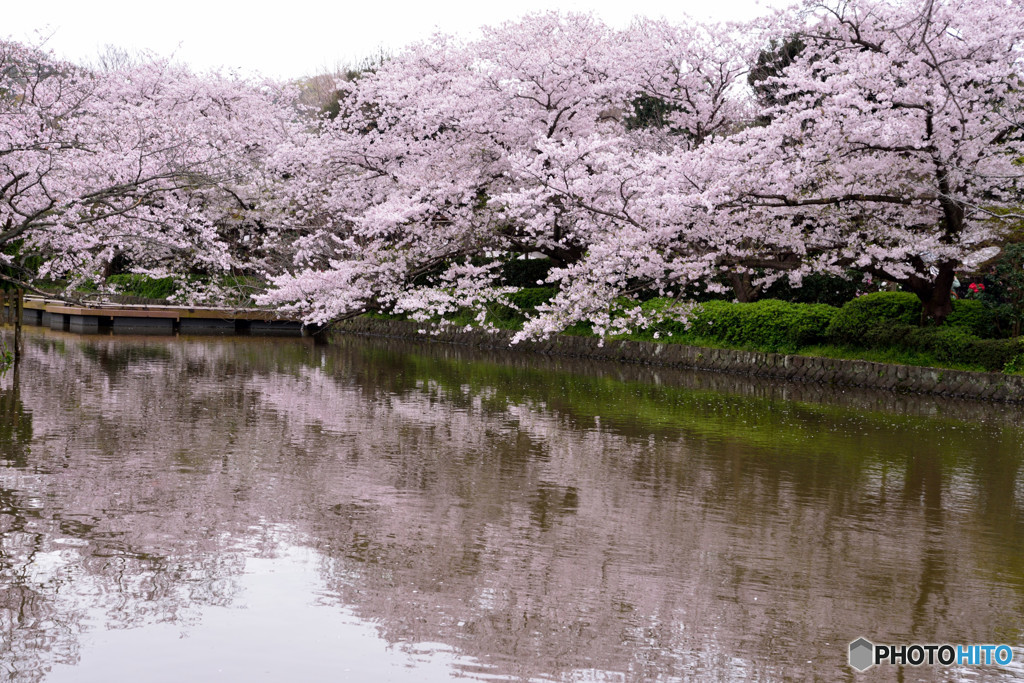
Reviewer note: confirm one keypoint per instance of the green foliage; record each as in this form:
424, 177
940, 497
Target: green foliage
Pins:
649, 112
1015, 366
818, 288
525, 272
142, 285
240, 290
884, 323
771, 62
975, 317
669, 328
770, 325
529, 298
857, 317
946, 344
1005, 287
580, 329
21, 264
524, 302
882, 327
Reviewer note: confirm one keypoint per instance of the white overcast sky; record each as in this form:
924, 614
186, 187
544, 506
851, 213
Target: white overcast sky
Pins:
293, 38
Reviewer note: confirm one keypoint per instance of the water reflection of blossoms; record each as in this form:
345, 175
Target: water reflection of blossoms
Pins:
541, 521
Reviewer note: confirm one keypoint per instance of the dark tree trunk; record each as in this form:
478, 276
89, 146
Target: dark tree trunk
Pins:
935, 294
744, 290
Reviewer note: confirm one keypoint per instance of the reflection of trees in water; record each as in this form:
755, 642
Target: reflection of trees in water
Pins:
30, 620
107, 517
495, 511
721, 524
15, 422
25, 606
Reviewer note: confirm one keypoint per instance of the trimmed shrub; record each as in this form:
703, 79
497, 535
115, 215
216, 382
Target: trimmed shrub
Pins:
947, 344
770, 324
974, 316
996, 354
857, 317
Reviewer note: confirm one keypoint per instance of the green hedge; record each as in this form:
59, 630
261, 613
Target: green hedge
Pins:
946, 344
857, 317
974, 316
890, 320
770, 325
882, 321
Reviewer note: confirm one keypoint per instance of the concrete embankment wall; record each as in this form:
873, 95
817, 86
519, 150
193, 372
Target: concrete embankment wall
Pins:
849, 373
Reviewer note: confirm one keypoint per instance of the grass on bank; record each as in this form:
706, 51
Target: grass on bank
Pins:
881, 327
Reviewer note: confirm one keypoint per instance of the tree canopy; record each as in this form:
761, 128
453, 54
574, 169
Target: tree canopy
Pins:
876, 136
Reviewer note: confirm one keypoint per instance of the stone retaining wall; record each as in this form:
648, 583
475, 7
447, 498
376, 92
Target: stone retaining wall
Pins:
851, 373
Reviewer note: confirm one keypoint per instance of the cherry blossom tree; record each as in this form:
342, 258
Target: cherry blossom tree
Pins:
648, 194
899, 151
436, 165
894, 148
38, 98
453, 155
145, 160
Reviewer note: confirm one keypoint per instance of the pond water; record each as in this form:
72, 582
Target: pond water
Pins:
244, 509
